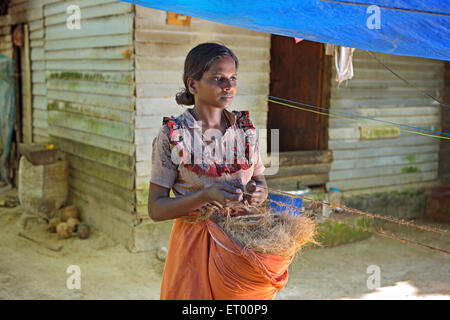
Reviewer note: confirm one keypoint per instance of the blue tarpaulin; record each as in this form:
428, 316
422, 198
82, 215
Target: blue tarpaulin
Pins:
402, 27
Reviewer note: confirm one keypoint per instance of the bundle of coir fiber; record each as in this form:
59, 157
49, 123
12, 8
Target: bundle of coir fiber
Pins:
261, 230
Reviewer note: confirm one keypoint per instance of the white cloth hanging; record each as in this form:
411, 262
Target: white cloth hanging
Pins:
344, 67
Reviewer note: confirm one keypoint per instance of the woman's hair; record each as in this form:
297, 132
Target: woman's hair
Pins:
197, 62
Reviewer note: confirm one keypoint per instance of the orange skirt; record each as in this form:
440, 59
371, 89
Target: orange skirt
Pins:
203, 263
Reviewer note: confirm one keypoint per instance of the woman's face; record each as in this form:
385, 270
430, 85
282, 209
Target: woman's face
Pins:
218, 85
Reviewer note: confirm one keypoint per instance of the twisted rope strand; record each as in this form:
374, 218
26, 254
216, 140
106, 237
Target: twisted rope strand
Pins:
360, 212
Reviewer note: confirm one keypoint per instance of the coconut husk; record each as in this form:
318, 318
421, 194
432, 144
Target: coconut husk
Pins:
261, 230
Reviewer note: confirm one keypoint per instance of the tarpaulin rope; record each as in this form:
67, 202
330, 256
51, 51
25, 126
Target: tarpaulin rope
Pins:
351, 116
406, 81
406, 28
387, 8
355, 116
286, 102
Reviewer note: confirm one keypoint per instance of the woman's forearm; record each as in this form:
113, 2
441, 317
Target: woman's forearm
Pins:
165, 208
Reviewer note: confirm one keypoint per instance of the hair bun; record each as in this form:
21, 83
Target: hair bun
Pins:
185, 98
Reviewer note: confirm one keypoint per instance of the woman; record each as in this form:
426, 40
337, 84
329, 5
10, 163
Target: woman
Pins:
197, 156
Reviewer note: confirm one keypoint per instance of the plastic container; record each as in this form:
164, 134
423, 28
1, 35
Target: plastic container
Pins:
289, 201
326, 210
335, 198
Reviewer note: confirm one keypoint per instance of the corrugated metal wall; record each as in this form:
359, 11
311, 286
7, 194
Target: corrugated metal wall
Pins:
409, 160
160, 53
83, 100
5, 37
39, 90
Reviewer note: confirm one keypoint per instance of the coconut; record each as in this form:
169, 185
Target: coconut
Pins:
161, 254
53, 223
63, 230
73, 223
69, 212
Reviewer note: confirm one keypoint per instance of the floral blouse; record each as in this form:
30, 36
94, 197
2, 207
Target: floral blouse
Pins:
186, 160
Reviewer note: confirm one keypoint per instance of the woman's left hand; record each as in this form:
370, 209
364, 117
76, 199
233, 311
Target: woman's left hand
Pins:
256, 194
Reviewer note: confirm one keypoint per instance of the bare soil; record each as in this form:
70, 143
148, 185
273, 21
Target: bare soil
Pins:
108, 271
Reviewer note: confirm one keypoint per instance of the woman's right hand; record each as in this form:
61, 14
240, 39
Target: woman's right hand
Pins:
221, 193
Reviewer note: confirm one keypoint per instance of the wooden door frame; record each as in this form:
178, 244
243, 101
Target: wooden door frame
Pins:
310, 167
27, 97
322, 97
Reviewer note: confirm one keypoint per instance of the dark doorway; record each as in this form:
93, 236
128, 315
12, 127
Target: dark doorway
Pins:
297, 73
300, 72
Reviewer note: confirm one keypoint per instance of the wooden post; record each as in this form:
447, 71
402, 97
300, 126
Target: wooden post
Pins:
444, 152
26, 85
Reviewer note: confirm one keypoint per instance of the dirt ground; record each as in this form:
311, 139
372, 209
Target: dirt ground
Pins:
108, 271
